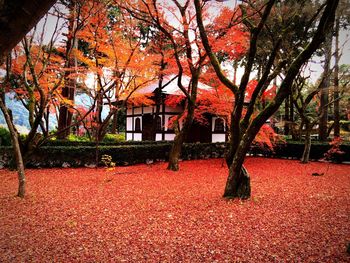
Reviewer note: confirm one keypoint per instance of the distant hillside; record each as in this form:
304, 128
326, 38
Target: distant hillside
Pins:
20, 115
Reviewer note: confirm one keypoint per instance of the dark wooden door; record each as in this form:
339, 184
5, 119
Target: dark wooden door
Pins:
147, 122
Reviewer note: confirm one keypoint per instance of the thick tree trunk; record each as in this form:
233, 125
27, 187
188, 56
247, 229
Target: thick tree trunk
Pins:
307, 146
16, 150
238, 182
323, 125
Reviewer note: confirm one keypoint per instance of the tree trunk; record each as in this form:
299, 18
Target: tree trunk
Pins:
114, 128
325, 89
158, 102
179, 139
16, 150
286, 116
68, 91
175, 152
291, 117
307, 146
336, 82
238, 182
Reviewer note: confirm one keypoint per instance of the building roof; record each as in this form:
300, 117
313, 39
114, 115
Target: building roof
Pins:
171, 85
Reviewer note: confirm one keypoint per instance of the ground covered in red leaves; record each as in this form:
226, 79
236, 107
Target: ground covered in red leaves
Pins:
145, 213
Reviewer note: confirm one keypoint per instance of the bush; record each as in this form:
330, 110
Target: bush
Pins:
76, 138
345, 125
126, 153
113, 138
5, 137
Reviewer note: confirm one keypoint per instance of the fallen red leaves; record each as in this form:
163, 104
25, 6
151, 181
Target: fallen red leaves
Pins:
145, 213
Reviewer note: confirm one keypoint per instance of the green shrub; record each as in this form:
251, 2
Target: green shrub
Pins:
113, 138
5, 137
76, 138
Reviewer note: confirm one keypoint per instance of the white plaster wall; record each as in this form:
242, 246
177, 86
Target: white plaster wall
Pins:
218, 138
169, 137
129, 136
158, 137
129, 123
137, 136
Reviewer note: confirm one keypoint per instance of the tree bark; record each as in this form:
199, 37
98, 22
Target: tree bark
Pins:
175, 152
179, 139
238, 182
17, 18
114, 128
307, 146
336, 82
16, 150
323, 125
286, 117
68, 91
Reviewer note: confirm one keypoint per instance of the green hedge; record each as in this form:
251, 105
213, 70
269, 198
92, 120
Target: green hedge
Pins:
294, 150
5, 137
103, 143
141, 152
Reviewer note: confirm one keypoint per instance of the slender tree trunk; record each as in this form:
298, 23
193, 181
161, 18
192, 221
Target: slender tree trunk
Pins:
115, 123
286, 116
307, 146
336, 82
158, 102
16, 150
291, 117
325, 89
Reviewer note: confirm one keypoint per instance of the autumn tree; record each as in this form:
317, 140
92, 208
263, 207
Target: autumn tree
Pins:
17, 19
342, 22
75, 21
244, 127
31, 74
114, 60
305, 101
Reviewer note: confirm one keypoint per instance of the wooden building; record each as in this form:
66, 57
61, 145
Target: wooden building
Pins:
139, 120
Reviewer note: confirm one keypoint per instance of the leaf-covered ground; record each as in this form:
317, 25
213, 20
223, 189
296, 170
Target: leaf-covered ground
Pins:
145, 213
